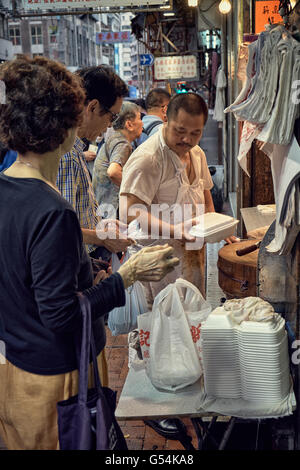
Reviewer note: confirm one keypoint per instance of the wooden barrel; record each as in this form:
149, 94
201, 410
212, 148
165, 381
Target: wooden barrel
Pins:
238, 274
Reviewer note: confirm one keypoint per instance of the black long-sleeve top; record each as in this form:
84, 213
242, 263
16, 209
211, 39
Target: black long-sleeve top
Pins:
43, 264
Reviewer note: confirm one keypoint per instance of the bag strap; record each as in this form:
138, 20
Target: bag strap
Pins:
152, 126
112, 150
87, 345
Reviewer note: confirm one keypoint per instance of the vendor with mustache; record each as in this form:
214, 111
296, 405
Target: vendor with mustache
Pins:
171, 169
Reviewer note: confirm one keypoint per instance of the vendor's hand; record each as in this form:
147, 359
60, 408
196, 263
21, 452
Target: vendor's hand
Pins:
232, 239
113, 233
117, 245
89, 155
101, 275
181, 231
149, 264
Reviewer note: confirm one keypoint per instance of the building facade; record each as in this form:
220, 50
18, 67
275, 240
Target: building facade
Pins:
69, 39
125, 50
6, 48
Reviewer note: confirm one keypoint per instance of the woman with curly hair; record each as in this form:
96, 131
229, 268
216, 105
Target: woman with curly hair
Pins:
42, 258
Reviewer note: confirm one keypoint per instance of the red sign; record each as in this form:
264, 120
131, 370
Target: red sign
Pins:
113, 37
265, 10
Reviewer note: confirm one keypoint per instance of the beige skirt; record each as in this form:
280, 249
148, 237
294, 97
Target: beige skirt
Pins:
28, 416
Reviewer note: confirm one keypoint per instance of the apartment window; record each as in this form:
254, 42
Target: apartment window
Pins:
2, 21
15, 36
36, 35
53, 34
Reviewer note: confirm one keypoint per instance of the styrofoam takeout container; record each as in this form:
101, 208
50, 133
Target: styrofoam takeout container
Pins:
214, 227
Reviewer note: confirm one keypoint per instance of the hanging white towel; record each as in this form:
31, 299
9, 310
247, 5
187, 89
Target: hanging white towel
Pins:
221, 83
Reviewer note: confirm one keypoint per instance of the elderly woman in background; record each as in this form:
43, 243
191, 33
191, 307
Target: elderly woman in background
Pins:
42, 258
107, 172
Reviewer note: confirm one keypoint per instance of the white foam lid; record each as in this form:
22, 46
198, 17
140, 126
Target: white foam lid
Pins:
211, 223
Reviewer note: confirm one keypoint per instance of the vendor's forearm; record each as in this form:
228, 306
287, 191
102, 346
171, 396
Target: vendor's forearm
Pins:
154, 225
90, 237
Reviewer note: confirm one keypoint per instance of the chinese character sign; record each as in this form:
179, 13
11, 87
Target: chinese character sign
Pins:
56, 4
166, 68
265, 10
113, 37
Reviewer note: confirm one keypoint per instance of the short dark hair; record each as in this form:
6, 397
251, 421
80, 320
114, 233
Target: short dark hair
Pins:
43, 101
103, 84
192, 103
156, 97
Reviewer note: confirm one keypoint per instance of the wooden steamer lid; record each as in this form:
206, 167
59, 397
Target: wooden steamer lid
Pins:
238, 274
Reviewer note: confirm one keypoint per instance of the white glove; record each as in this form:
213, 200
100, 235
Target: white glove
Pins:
149, 264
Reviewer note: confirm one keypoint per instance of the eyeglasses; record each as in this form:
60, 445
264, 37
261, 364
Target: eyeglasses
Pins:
113, 116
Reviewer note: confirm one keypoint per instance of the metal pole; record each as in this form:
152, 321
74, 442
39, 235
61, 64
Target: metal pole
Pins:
84, 12
75, 42
227, 433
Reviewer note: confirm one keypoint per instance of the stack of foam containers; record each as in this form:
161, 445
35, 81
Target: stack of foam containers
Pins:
248, 360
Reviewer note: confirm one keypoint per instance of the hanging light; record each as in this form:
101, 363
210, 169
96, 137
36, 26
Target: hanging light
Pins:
192, 3
225, 7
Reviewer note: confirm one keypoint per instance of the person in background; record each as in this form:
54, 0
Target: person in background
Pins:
156, 104
107, 173
104, 92
44, 259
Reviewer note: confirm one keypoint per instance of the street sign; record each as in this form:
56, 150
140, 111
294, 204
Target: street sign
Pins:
146, 59
174, 67
113, 37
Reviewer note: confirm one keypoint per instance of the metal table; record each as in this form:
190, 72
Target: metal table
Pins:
140, 400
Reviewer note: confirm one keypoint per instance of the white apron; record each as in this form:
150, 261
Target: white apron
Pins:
178, 190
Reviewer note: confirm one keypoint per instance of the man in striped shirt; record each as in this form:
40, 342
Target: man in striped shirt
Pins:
104, 96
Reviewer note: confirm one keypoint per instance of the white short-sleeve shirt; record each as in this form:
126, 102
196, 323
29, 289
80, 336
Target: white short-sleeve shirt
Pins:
152, 165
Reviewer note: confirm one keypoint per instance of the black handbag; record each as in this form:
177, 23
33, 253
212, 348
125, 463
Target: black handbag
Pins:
87, 421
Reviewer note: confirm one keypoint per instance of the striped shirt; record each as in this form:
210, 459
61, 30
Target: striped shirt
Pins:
74, 183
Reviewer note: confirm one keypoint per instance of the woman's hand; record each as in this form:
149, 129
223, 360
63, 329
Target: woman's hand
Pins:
101, 275
149, 264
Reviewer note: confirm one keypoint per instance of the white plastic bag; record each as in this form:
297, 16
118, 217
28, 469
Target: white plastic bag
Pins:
196, 309
122, 320
174, 361
144, 327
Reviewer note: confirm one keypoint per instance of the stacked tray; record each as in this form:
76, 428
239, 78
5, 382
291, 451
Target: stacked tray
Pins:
248, 361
